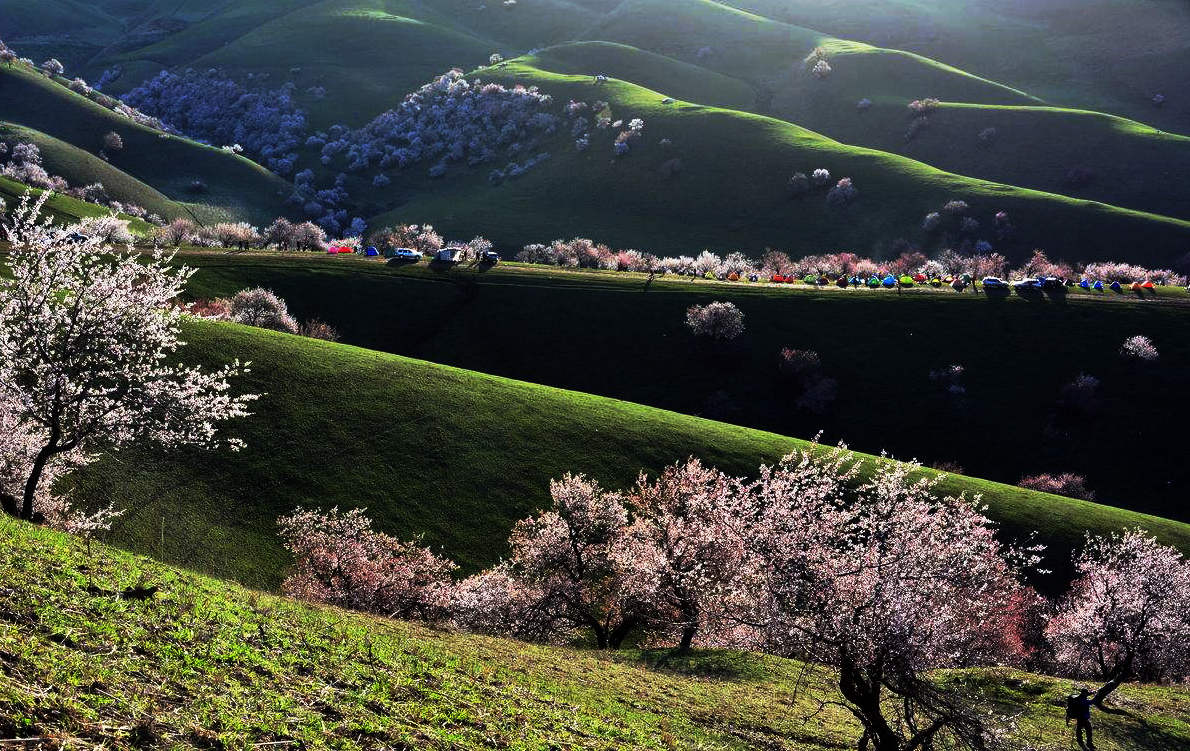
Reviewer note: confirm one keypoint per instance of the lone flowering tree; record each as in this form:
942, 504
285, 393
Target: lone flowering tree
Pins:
717, 321
884, 582
1127, 614
86, 332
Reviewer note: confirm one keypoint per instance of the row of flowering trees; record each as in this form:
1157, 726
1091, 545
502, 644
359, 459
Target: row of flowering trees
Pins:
584, 253
863, 567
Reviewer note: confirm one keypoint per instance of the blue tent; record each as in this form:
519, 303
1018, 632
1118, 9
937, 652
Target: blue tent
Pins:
371, 252
1085, 284
1115, 287
1098, 286
889, 281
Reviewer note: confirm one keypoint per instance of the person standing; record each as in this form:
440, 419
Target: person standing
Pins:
1078, 708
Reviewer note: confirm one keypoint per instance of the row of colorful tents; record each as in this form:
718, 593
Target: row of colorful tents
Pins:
960, 282
339, 249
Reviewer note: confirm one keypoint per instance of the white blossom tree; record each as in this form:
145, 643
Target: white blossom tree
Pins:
86, 335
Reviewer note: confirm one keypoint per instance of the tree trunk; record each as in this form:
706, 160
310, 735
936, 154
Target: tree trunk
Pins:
688, 637
1114, 682
864, 697
620, 633
43, 458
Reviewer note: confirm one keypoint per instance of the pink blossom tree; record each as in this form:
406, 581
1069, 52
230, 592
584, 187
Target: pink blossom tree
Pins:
341, 560
572, 565
263, 309
686, 544
1127, 614
86, 333
884, 583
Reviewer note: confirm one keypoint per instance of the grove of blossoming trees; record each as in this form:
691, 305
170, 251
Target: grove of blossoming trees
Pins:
716, 321
220, 111
449, 120
85, 333
861, 566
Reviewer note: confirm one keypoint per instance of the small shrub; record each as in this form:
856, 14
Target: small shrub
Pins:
717, 321
263, 309
1139, 348
1067, 484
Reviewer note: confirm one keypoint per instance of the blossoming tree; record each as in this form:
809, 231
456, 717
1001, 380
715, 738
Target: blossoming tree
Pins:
86, 332
1127, 614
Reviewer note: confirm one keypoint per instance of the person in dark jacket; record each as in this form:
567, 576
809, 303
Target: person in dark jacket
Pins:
1078, 708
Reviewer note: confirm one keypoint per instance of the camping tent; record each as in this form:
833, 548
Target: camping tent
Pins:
1098, 285
1085, 284
906, 280
889, 281
1148, 285
919, 277
1115, 287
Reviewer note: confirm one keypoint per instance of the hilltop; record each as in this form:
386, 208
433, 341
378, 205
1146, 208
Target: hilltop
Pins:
205, 664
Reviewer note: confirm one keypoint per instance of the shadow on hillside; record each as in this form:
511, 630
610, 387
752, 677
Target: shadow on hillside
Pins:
704, 663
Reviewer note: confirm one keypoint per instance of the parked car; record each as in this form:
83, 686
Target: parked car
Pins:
1027, 284
403, 255
491, 258
993, 282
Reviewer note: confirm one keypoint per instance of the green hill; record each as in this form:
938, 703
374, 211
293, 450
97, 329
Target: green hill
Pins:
204, 664
234, 186
82, 168
453, 454
1071, 52
596, 332
730, 192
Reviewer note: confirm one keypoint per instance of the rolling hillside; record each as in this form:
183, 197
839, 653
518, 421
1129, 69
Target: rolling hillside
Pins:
730, 192
596, 332
234, 186
448, 453
205, 664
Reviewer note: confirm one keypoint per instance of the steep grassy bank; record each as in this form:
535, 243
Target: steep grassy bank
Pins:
204, 664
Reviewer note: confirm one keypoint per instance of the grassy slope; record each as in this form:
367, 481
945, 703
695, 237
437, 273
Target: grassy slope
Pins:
595, 332
677, 79
64, 208
768, 52
1080, 53
206, 664
453, 454
236, 186
81, 167
731, 191
1137, 164
395, 46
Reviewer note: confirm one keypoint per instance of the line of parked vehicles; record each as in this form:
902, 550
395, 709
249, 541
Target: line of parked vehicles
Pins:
450, 255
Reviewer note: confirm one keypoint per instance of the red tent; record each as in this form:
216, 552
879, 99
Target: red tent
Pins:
1148, 285
919, 278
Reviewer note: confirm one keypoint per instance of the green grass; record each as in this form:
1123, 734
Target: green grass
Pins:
205, 664
1070, 52
452, 454
367, 54
596, 332
236, 187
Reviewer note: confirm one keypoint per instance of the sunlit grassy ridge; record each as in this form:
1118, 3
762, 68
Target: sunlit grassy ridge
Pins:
452, 454
64, 209
81, 168
206, 664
